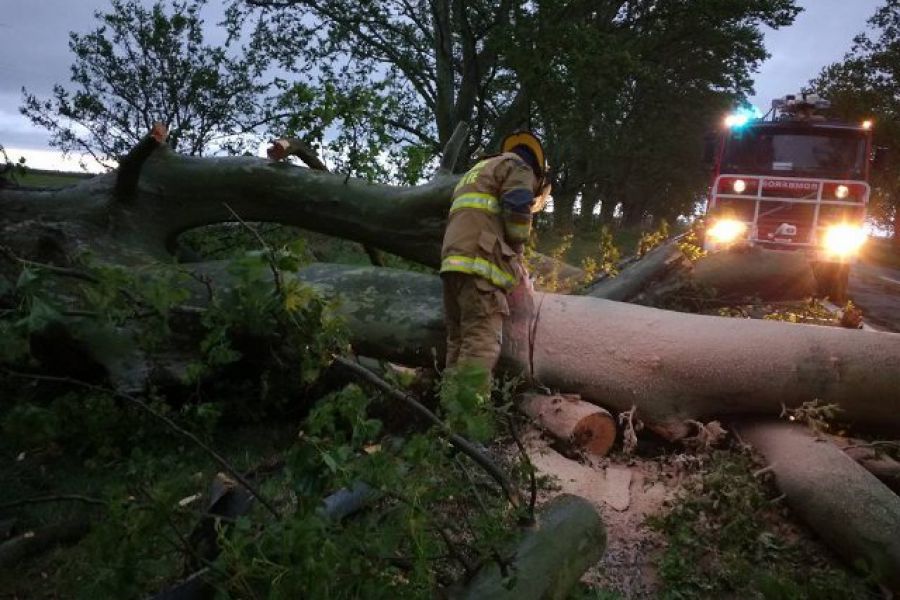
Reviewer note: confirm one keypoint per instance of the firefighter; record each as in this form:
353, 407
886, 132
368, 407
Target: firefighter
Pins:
481, 258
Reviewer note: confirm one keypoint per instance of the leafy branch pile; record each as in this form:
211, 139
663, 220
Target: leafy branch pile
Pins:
255, 380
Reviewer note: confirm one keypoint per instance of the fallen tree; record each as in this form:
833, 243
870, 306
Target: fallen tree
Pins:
551, 556
636, 276
858, 516
881, 465
673, 367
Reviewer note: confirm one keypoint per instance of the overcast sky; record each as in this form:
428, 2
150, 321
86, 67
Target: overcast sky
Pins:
34, 53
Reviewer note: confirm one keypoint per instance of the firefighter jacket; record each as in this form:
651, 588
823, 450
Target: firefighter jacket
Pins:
491, 210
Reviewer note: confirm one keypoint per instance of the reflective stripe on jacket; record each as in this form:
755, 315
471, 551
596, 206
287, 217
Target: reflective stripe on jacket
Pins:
491, 209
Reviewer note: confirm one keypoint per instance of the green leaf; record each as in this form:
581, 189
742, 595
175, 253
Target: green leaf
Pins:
27, 277
40, 315
330, 462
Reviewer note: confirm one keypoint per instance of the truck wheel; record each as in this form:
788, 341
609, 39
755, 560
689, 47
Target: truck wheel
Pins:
831, 281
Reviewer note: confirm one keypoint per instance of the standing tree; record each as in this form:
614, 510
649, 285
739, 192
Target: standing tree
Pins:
866, 84
622, 92
144, 65
402, 72
626, 92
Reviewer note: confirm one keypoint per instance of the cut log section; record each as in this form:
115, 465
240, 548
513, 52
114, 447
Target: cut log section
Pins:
853, 512
577, 424
41, 540
757, 272
551, 557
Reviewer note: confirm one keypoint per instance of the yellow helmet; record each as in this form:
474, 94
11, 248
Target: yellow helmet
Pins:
530, 141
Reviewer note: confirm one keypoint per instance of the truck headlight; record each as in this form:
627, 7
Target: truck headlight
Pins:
725, 231
844, 240
841, 191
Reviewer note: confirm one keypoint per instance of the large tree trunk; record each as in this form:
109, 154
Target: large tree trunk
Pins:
607, 210
756, 272
851, 510
639, 275
563, 211
674, 367
551, 557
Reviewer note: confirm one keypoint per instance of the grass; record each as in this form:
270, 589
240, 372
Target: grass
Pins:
727, 537
585, 244
165, 469
36, 178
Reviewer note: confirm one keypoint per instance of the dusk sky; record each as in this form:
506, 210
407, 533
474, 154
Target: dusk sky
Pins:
34, 53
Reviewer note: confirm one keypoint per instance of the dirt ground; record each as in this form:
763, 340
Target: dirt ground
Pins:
625, 493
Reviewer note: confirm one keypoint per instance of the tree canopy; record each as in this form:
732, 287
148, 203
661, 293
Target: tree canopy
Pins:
866, 85
622, 92
142, 65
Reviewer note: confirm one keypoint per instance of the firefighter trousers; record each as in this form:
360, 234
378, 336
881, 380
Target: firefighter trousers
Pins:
473, 315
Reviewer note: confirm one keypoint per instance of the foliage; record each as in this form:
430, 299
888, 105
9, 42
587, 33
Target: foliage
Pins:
607, 258
652, 239
10, 172
723, 539
691, 245
261, 344
815, 415
465, 397
151, 64
116, 317
622, 94
549, 279
864, 85
308, 330
812, 312
409, 71
400, 547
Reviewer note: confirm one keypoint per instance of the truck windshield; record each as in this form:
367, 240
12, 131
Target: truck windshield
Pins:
776, 151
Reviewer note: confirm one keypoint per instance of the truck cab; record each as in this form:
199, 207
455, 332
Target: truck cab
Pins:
796, 182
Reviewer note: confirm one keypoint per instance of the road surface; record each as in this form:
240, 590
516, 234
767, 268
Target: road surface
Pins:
876, 290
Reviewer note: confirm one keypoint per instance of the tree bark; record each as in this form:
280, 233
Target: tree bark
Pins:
674, 367
637, 276
853, 512
607, 211
35, 542
563, 211
176, 193
767, 274
577, 424
551, 557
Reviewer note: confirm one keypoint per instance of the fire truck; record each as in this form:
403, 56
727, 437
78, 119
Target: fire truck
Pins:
793, 181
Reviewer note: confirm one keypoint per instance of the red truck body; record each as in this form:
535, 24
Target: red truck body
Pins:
797, 182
